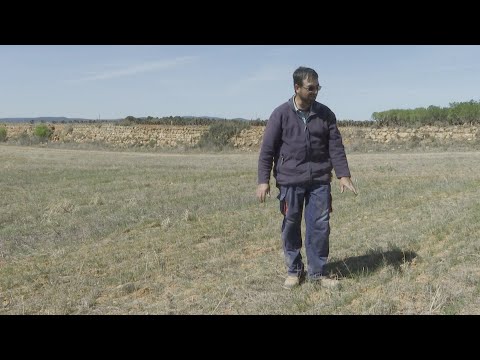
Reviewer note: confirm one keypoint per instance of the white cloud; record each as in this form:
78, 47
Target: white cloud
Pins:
141, 68
264, 76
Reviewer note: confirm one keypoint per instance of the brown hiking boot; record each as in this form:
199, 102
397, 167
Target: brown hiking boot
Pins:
291, 282
325, 282
329, 283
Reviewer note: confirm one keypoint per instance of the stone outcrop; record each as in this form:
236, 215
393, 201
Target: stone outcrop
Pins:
398, 134
119, 136
248, 140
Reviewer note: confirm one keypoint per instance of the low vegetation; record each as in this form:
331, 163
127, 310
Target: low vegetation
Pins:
99, 232
218, 135
3, 133
42, 131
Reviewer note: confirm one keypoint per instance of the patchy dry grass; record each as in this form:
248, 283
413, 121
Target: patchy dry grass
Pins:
98, 232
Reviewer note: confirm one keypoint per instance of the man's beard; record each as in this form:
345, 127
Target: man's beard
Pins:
308, 100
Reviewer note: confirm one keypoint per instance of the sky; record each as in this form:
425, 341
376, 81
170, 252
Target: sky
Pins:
229, 81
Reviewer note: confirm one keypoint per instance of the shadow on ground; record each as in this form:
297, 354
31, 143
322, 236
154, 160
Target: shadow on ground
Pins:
369, 263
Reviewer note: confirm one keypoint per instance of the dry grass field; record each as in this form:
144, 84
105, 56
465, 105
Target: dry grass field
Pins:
101, 232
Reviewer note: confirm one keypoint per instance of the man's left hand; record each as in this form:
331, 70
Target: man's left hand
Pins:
346, 182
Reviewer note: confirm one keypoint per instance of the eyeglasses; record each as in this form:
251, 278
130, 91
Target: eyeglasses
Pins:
312, 88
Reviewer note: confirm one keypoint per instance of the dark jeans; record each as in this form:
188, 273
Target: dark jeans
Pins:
317, 201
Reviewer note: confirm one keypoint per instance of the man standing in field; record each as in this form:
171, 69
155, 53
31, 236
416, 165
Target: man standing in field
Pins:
303, 144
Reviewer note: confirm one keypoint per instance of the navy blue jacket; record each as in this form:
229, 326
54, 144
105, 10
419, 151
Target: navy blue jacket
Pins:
301, 154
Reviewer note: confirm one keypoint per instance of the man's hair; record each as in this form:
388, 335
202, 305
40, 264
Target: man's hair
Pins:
303, 73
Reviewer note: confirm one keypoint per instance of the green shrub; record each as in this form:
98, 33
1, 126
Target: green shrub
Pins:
218, 135
3, 134
42, 131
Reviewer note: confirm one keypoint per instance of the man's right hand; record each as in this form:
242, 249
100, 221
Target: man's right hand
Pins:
263, 190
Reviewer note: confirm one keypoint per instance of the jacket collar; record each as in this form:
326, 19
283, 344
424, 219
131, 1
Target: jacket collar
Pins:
314, 109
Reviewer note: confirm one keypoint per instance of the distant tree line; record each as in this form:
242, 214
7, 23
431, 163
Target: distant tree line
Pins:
70, 121
181, 121
458, 113
344, 123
